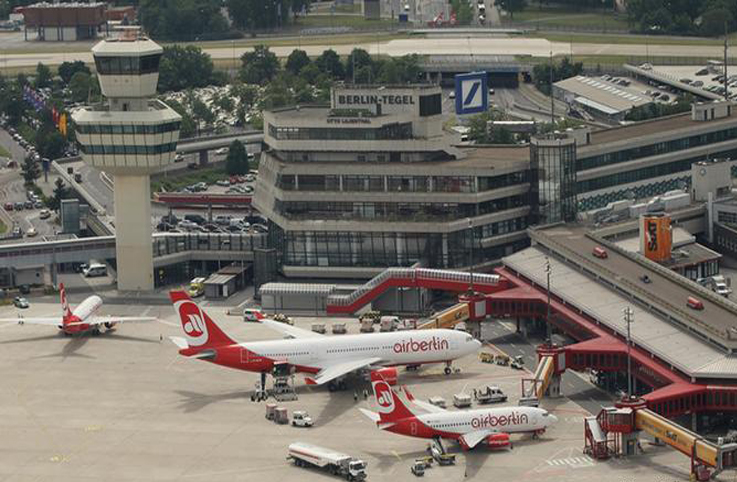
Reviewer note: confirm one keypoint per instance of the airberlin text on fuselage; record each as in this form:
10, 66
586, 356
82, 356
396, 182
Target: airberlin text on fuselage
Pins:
434, 344
499, 421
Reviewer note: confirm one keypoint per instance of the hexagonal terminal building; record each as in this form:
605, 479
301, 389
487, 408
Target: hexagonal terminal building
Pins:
129, 135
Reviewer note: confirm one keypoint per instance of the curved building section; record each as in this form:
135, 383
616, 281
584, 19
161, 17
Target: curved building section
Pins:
130, 136
373, 181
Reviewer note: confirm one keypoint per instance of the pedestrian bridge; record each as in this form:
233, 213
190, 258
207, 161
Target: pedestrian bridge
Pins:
167, 249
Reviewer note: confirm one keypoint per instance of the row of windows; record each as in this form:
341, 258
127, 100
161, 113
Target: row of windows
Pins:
128, 128
727, 217
392, 211
635, 175
146, 64
638, 192
128, 149
353, 183
655, 149
397, 131
356, 349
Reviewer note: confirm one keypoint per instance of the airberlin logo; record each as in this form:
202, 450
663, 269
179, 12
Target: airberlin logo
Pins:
411, 345
513, 418
193, 323
384, 397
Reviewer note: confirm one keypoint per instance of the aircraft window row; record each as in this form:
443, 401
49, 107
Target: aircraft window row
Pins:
296, 353
364, 348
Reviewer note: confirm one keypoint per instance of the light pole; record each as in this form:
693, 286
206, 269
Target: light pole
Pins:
629, 317
549, 328
470, 229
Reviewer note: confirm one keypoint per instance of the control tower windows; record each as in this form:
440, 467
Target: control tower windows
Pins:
147, 64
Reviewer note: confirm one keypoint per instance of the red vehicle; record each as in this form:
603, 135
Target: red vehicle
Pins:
694, 303
600, 252
8, 206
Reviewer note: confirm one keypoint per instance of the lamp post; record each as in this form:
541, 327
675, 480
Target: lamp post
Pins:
629, 317
470, 229
549, 328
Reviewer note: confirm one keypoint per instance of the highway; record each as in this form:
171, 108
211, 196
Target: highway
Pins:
446, 45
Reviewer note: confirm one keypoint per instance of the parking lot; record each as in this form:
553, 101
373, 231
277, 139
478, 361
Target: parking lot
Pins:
125, 406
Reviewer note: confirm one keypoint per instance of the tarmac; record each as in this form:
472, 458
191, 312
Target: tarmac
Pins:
124, 406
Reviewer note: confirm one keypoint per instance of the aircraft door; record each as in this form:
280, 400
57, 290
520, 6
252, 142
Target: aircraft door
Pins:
413, 428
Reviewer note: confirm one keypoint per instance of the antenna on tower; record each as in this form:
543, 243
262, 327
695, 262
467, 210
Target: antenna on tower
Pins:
726, 45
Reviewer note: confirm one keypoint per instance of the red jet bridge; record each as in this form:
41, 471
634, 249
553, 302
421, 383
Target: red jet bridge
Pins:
202, 199
435, 279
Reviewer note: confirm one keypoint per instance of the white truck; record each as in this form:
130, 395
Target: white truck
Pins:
308, 455
301, 418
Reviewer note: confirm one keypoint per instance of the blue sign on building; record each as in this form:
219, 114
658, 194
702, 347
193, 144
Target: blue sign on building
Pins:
472, 94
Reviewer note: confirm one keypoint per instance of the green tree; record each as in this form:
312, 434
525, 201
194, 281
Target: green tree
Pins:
50, 143
262, 14
43, 76
277, 94
184, 68
14, 107
715, 18
187, 127
237, 161
329, 62
80, 86
296, 61
201, 113
60, 193
358, 59
259, 66
182, 19
31, 171
463, 11
68, 69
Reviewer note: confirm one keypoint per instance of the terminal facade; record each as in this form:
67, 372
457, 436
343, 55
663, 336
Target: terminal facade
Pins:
373, 180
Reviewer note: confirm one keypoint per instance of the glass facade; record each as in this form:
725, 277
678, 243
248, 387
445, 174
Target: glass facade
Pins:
554, 180
147, 64
376, 183
393, 211
127, 149
655, 149
398, 131
128, 128
375, 250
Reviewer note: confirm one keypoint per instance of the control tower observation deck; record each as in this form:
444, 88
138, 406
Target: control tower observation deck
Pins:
130, 136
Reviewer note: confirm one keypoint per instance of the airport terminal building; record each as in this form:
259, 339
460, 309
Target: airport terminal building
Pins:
374, 181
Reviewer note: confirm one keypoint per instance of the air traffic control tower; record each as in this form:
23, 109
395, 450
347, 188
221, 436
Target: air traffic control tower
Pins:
130, 136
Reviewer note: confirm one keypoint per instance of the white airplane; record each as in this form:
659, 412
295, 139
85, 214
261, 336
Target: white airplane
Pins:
468, 427
81, 319
325, 359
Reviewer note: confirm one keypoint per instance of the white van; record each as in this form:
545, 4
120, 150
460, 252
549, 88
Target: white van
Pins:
95, 269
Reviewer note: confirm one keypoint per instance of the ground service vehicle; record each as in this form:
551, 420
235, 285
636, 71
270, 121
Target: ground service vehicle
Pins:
461, 400
486, 357
281, 416
301, 418
418, 468
252, 314
307, 455
517, 362
489, 394
94, 270
339, 329
319, 328
196, 287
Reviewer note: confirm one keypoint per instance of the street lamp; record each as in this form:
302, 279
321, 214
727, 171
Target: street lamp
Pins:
549, 328
470, 229
629, 317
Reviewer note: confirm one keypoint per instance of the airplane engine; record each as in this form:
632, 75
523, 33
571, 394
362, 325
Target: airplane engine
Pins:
110, 325
497, 441
389, 375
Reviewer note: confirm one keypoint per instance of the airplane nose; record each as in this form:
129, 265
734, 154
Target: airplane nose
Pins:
477, 344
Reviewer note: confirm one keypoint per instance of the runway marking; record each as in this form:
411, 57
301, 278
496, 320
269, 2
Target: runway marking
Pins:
572, 462
394, 452
57, 458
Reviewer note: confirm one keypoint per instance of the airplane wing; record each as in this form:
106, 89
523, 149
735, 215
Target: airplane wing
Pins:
471, 439
335, 371
99, 320
34, 321
290, 330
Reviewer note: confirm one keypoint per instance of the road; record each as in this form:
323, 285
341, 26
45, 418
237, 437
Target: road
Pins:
446, 45
573, 385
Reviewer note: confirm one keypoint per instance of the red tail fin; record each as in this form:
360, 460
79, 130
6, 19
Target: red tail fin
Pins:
391, 408
200, 330
67, 312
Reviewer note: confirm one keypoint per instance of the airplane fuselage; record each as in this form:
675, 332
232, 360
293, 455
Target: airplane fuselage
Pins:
74, 323
310, 355
453, 424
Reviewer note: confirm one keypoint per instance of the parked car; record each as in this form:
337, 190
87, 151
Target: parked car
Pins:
8, 206
195, 218
223, 183
38, 204
169, 219
20, 302
178, 158
28, 204
19, 206
223, 219
221, 151
32, 232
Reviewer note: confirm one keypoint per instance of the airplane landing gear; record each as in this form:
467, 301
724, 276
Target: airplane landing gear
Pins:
259, 394
448, 370
335, 386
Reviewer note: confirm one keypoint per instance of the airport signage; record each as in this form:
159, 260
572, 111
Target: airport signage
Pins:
373, 99
472, 93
